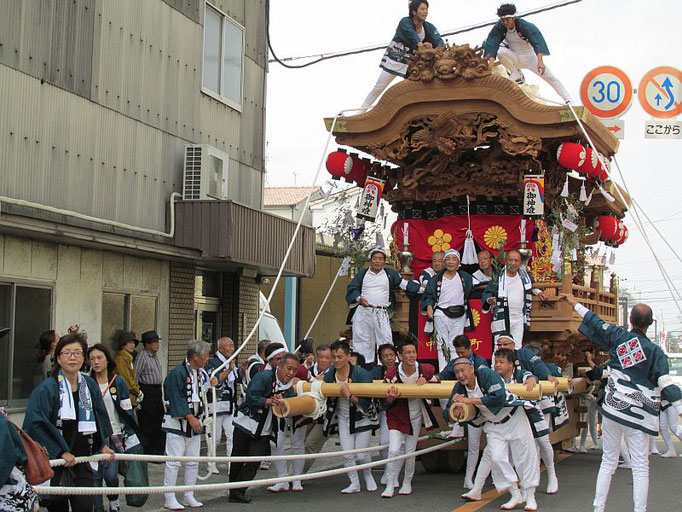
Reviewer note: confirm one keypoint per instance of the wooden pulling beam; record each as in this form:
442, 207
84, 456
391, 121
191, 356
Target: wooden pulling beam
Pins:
378, 389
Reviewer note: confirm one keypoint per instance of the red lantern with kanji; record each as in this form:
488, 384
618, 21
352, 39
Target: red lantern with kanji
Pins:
609, 228
571, 155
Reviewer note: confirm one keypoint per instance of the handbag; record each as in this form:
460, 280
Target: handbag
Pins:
37, 468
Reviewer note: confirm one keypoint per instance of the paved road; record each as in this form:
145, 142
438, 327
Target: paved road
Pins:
440, 492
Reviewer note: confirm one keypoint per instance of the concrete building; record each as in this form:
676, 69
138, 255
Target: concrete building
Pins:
131, 175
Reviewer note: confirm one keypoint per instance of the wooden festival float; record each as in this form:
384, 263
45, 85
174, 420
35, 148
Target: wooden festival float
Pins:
467, 158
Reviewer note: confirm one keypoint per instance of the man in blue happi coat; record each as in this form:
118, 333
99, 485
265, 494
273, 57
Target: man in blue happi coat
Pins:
638, 378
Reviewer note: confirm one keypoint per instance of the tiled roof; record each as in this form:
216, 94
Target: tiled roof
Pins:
287, 196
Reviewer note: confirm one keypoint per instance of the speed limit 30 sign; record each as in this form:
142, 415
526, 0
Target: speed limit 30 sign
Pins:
606, 91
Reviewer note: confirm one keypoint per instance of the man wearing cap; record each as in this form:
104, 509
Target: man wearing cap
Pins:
446, 301
638, 379
510, 298
125, 365
226, 395
506, 429
371, 295
149, 376
519, 44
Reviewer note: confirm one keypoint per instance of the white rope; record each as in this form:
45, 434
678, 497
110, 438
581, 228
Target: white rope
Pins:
251, 458
276, 282
316, 393
324, 302
91, 491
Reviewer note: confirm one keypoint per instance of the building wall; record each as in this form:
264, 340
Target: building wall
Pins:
99, 98
79, 277
181, 311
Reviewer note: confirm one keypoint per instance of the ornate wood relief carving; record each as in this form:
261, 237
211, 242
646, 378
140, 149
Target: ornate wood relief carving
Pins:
447, 63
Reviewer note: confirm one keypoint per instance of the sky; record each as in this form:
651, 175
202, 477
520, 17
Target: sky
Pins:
632, 35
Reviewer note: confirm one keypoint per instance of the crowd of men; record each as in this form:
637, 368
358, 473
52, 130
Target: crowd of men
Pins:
174, 412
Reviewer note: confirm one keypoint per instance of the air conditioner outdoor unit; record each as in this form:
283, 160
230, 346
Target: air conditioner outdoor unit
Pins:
205, 173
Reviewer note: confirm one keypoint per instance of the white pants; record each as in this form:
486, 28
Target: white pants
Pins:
516, 435
278, 449
298, 448
352, 442
516, 328
546, 453
446, 331
385, 78
224, 425
371, 328
383, 433
396, 440
638, 443
529, 60
669, 424
591, 420
177, 445
474, 446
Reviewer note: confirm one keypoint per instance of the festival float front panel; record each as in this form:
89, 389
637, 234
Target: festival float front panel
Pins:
465, 153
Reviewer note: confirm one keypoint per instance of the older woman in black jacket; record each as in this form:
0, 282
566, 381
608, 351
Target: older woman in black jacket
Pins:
67, 415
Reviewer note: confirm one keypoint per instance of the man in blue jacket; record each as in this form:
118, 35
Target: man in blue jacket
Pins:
371, 295
638, 378
411, 31
518, 45
255, 425
506, 429
446, 301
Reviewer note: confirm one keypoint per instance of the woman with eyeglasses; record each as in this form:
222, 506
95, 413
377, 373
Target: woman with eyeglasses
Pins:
117, 400
67, 415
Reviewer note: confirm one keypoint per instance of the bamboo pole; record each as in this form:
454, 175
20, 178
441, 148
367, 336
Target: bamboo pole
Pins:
440, 390
295, 406
461, 413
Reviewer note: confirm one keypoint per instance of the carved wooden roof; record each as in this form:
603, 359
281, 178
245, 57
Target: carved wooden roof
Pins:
453, 128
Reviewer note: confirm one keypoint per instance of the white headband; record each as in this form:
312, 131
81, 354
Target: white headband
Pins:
452, 252
375, 250
277, 352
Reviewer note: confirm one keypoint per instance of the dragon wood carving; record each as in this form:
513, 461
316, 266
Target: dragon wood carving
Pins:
447, 63
450, 154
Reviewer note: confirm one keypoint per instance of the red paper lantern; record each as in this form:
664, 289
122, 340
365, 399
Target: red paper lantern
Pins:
595, 165
623, 234
609, 228
571, 155
339, 164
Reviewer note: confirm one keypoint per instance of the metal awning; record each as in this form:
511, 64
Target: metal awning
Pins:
230, 233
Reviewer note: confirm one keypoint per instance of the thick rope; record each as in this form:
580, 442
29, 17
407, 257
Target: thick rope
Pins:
92, 491
316, 393
220, 458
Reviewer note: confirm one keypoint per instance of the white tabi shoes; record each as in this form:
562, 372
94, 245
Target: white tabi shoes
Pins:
406, 488
531, 504
280, 487
515, 500
172, 503
190, 501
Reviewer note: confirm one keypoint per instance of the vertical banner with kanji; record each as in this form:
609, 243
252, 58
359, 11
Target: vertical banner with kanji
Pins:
370, 199
534, 194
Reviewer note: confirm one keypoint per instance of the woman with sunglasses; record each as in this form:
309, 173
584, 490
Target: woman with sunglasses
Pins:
67, 415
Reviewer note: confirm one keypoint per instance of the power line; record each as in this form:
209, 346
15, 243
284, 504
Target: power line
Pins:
345, 53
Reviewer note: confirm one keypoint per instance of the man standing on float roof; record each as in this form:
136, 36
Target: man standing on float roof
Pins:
637, 380
371, 295
518, 44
